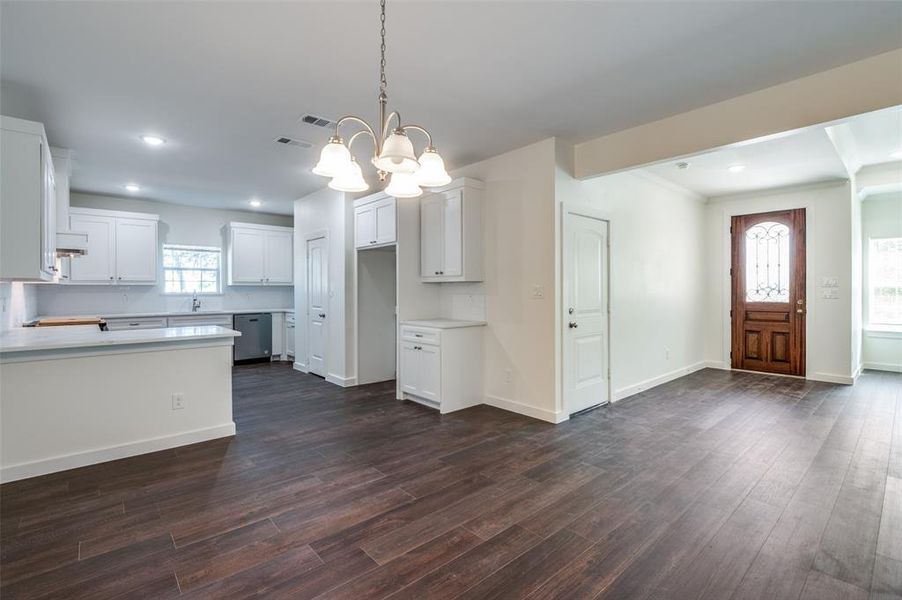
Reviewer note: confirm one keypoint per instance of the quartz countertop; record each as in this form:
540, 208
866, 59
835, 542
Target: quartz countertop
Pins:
174, 313
443, 323
27, 339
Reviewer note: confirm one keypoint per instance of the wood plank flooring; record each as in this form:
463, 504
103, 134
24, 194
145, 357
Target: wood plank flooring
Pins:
717, 485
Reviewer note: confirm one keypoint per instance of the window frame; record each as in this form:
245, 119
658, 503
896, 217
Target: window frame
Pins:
871, 323
195, 247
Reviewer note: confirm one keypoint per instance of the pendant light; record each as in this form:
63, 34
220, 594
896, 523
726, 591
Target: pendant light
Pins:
393, 152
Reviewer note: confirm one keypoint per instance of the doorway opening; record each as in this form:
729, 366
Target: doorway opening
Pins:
376, 314
768, 292
586, 302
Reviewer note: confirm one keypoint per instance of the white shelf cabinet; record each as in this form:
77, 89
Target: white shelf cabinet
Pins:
451, 232
27, 203
260, 254
374, 221
441, 368
122, 247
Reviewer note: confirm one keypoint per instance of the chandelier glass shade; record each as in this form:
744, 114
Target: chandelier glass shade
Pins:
393, 152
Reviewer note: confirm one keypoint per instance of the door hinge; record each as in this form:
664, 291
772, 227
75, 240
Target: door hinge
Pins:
731, 271
731, 313
731, 354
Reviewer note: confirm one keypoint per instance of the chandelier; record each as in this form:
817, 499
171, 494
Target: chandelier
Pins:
393, 154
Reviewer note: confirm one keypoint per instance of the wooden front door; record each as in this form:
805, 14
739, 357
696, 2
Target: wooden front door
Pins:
768, 283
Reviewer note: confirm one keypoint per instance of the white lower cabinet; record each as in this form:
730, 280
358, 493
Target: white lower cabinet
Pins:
441, 368
201, 320
289, 334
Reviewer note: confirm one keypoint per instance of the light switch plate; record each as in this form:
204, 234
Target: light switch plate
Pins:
538, 292
830, 282
830, 294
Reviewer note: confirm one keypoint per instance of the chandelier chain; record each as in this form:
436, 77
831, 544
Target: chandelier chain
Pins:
382, 82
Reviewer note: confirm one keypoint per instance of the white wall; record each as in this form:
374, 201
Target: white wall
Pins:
332, 212
881, 216
518, 247
178, 225
19, 303
829, 241
657, 278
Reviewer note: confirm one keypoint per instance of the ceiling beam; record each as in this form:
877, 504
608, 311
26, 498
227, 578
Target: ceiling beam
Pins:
860, 87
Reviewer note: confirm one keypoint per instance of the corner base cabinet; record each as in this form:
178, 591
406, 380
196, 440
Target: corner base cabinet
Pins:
260, 254
441, 367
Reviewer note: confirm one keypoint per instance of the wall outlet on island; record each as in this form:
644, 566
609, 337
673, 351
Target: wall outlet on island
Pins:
178, 401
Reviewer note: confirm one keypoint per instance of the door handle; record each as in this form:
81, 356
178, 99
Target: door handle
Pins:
573, 325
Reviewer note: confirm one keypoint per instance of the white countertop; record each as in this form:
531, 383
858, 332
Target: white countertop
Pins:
174, 313
443, 323
26, 339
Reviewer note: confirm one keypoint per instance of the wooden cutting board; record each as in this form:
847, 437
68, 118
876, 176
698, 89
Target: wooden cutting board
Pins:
62, 321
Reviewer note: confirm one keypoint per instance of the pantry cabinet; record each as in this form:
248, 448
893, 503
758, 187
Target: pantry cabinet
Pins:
260, 254
27, 203
122, 247
451, 232
374, 221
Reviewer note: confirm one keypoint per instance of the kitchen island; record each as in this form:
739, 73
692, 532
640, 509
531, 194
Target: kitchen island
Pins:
74, 396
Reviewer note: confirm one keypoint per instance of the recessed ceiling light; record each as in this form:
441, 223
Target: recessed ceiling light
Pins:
896, 154
255, 203
153, 140
736, 168
133, 187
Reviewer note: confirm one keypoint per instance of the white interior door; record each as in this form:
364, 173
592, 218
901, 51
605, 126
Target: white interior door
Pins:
317, 303
585, 318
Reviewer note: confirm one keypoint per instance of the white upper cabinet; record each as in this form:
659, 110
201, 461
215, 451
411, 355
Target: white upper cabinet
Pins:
374, 221
279, 259
260, 254
122, 247
247, 256
451, 232
27, 203
98, 265
136, 251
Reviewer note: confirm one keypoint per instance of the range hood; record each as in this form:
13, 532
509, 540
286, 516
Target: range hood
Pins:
68, 243
71, 243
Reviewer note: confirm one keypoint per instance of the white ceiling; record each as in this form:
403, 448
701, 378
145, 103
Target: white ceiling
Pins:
220, 80
799, 158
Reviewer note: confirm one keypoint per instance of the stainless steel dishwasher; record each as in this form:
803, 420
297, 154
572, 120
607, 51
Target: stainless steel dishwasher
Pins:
255, 341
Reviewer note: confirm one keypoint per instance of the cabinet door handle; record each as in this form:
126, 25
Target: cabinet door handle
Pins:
573, 325
418, 335
111, 277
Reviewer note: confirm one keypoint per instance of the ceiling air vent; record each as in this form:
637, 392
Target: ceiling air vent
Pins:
318, 121
293, 142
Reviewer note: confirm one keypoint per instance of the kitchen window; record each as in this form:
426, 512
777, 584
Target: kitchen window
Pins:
192, 269
885, 281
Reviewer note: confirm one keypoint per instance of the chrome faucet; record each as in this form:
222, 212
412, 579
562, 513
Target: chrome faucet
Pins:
195, 303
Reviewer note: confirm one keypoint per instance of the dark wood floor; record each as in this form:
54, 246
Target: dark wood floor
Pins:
718, 485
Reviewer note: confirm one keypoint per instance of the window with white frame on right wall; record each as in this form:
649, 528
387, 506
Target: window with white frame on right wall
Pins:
885, 281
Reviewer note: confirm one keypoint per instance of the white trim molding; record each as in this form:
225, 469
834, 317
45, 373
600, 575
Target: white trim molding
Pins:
832, 378
92, 457
877, 366
632, 390
524, 409
341, 381
299, 366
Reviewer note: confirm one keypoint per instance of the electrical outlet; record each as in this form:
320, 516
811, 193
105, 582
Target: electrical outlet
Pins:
538, 292
178, 401
508, 376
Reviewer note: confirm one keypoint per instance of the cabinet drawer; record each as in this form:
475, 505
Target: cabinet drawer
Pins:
198, 320
421, 334
141, 323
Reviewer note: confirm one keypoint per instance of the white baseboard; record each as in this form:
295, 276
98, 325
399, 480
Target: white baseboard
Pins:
832, 378
91, 457
525, 409
892, 367
342, 381
715, 364
300, 367
631, 390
